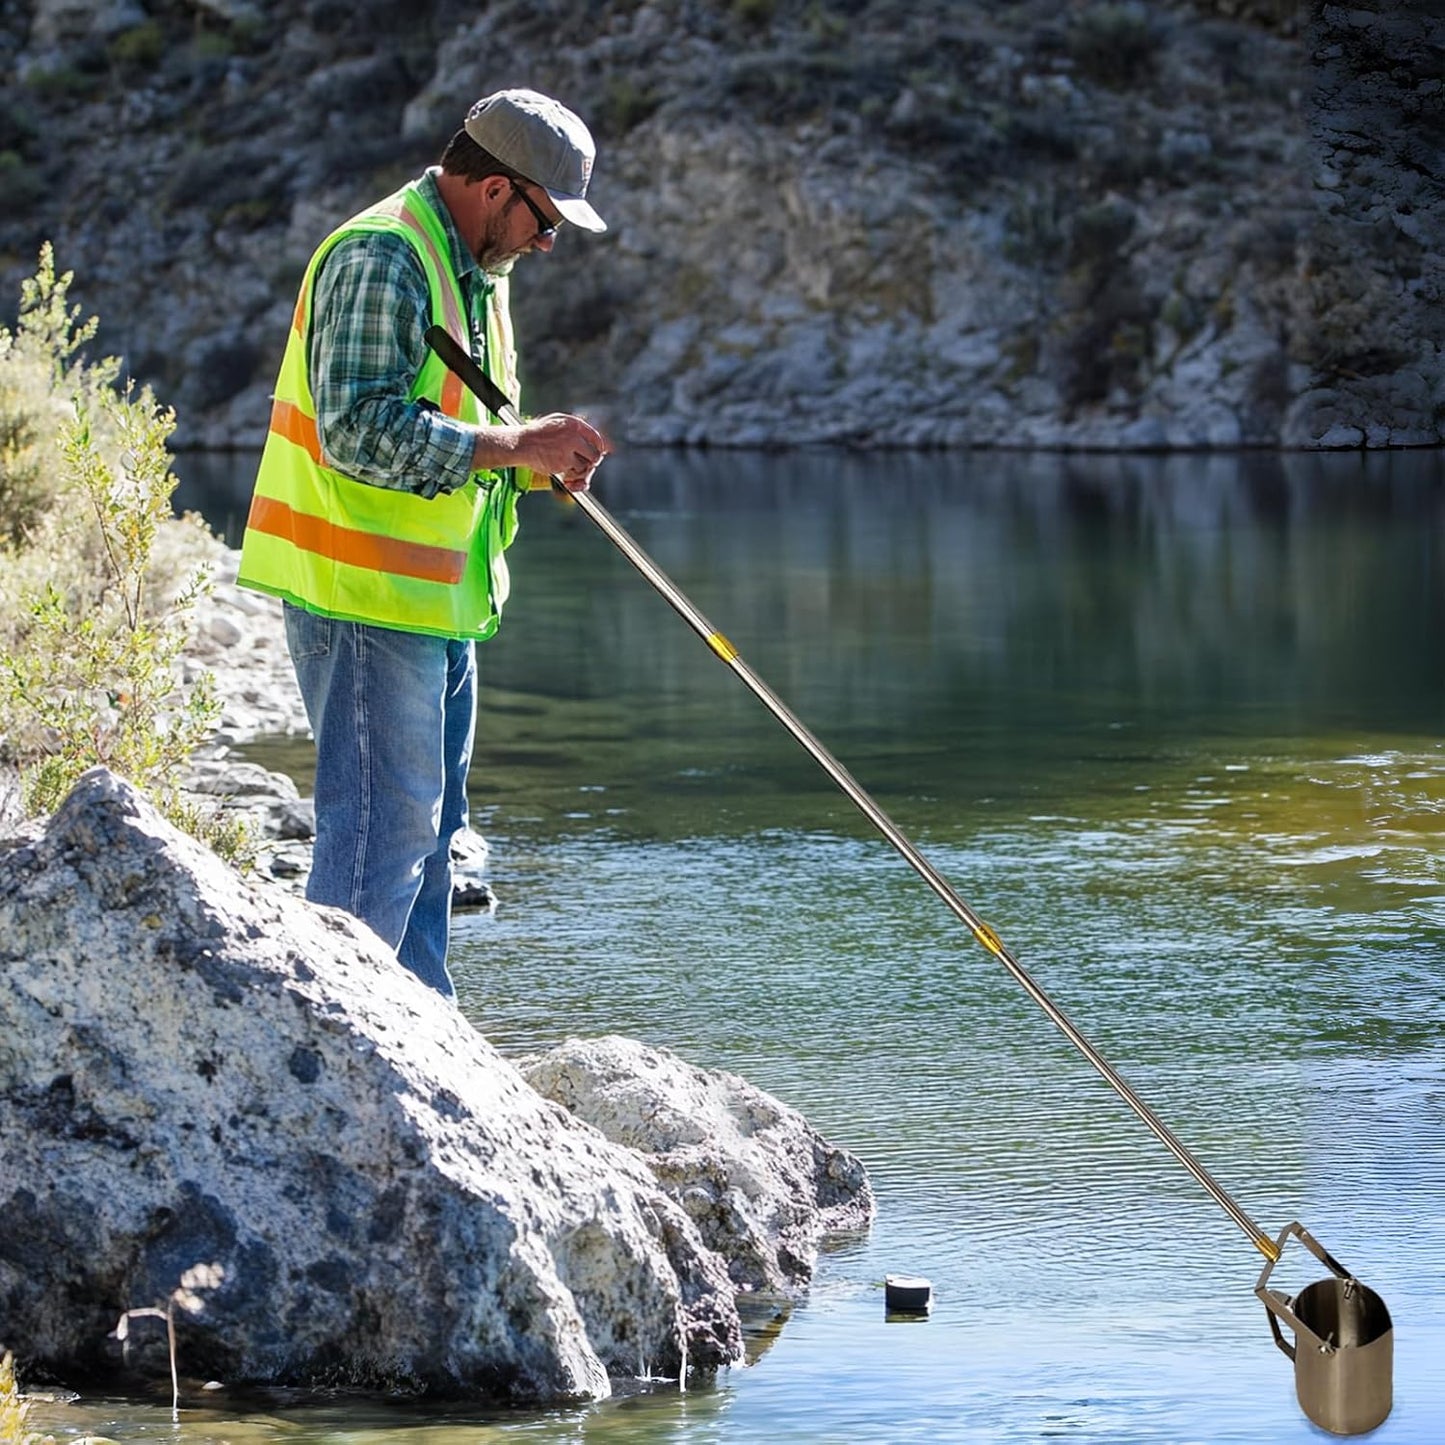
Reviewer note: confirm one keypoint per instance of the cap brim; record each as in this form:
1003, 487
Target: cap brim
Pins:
576, 212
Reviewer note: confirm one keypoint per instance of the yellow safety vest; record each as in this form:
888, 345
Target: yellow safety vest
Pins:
364, 553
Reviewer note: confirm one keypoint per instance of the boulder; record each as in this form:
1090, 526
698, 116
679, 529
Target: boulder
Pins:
761, 1184
208, 1080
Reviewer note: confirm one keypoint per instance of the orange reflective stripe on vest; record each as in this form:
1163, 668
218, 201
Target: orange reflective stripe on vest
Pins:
353, 547
452, 388
289, 421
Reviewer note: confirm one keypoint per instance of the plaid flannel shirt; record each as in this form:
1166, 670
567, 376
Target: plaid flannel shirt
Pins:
370, 310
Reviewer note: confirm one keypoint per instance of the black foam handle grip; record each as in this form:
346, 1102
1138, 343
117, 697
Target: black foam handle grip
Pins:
488, 392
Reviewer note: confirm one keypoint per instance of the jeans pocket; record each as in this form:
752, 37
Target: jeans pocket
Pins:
307, 634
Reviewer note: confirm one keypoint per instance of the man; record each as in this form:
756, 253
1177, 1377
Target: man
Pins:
385, 500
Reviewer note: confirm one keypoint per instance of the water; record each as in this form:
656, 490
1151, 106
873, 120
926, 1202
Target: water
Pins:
1172, 726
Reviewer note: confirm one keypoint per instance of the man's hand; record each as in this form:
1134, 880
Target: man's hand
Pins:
564, 446
559, 445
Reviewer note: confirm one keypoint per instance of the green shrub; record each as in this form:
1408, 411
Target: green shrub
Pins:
757, 13
39, 374
1036, 229
92, 681
19, 130
826, 23
97, 578
1115, 45
1098, 234
48, 327
64, 83
215, 45
22, 474
21, 184
139, 48
624, 105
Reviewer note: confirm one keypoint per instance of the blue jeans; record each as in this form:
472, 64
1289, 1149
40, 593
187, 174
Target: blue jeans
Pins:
392, 714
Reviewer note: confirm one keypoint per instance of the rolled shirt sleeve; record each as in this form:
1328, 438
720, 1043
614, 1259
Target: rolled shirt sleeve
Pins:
371, 306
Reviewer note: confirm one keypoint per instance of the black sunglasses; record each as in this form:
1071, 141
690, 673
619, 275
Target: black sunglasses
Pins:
545, 228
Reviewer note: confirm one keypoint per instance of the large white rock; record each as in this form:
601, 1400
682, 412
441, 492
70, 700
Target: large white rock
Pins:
194, 1071
758, 1180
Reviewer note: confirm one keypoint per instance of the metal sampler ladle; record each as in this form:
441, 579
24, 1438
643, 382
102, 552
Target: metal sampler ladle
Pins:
1343, 1351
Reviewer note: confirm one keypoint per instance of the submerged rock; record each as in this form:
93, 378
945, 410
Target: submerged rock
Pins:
197, 1072
761, 1184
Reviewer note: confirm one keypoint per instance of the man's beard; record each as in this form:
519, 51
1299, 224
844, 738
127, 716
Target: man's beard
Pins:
491, 254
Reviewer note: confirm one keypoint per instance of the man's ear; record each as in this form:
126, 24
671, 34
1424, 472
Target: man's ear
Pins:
494, 189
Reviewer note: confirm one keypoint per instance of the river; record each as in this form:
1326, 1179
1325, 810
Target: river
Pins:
1173, 726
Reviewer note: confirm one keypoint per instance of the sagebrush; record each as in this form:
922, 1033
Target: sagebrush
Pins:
98, 580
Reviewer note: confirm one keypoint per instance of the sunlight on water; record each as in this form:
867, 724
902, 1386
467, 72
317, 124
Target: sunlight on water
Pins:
1173, 730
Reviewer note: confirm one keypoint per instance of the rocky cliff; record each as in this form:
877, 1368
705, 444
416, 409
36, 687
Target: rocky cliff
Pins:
865, 221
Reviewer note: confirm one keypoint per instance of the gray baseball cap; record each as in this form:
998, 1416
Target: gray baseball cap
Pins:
542, 140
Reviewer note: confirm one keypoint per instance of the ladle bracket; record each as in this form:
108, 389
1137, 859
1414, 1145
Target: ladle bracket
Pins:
1282, 1305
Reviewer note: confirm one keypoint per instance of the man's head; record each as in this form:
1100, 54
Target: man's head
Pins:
543, 141
518, 169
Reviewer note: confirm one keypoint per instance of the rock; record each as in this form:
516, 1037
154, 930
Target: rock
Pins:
1341, 438
56, 22
291, 865
225, 630
239, 636
760, 1183
12, 811
470, 850
472, 895
243, 782
1146, 434
470, 890
295, 819
194, 1071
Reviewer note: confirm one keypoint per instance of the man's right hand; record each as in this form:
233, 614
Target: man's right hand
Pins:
558, 445
564, 446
